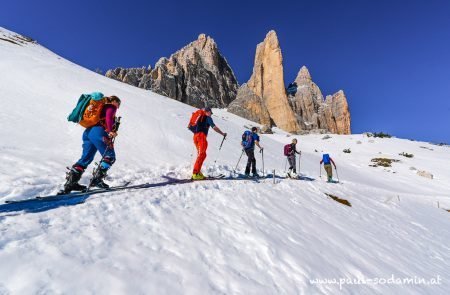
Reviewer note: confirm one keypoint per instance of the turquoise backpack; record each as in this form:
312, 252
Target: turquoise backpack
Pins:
77, 114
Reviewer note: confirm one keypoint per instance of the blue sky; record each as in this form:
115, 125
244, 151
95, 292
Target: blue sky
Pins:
392, 58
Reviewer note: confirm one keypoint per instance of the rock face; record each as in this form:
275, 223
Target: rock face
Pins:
307, 100
250, 106
264, 93
425, 174
196, 74
339, 122
263, 98
199, 76
314, 112
133, 76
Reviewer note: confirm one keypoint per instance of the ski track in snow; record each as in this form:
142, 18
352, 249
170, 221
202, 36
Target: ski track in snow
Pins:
208, 237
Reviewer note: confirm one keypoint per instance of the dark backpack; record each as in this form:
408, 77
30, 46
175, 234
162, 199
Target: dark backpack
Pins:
287, 149
247, 139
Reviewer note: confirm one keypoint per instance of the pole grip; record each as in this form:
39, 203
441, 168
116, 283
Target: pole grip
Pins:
117, 124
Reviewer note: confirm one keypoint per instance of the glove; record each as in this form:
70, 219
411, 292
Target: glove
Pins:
109, 141
112, 134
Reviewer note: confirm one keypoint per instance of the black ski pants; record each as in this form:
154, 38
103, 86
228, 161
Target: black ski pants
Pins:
251, 162
292, 164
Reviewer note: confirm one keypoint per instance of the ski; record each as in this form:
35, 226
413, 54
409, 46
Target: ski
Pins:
218, 177
335, 182
126, 186
68, 196
187, 180
247, 177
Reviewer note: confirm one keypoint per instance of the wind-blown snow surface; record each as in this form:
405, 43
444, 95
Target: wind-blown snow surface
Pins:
212, 237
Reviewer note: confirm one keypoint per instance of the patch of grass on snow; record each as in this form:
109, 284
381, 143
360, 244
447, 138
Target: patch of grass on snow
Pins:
384, 162
339, 200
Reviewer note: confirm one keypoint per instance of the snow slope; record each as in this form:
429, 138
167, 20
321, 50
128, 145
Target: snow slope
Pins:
212, 237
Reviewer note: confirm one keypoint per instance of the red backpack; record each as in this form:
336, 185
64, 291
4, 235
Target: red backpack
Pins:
197, 117
287, 149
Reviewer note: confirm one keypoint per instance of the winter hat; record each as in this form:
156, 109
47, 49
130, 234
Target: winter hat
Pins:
96, 95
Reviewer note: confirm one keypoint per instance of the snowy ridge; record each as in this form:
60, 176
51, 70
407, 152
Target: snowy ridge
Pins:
212, 237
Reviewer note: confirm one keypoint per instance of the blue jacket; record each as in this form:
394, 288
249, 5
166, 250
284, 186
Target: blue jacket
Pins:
249, 143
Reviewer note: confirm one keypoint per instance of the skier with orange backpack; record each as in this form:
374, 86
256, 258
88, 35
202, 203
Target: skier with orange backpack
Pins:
97, 114
199, 124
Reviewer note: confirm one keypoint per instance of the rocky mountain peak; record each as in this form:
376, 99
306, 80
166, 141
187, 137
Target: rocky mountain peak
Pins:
272, 39
303, 75
264, 99
265, 90
197, 74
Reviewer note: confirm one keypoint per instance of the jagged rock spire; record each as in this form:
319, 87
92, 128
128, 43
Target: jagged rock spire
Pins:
267, 82
197, 75
303, 75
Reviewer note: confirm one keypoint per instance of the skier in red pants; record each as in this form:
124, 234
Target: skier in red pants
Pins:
199, 124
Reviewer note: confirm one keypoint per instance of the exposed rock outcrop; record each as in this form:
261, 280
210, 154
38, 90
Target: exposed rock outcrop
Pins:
133, 76
307, 100
264, 93
313, 112
199, 75
196, 74
425, 174
263, 99
250, 106
340, 121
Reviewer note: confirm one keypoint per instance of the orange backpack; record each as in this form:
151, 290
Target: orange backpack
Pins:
91, 115
198, 116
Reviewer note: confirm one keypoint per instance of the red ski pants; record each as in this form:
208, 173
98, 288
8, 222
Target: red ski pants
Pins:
201, 144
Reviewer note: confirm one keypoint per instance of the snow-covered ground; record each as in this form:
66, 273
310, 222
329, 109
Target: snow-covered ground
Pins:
211, 237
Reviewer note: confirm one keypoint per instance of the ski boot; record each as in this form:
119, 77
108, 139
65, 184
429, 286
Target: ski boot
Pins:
97, 180
198, 176
72, 178
289, 173
256, 175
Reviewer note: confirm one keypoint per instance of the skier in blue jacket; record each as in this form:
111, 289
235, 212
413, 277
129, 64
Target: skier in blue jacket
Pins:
327, 160
249, 140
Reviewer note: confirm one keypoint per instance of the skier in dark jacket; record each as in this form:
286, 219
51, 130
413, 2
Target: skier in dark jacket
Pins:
96, 138
249, 140
292, 172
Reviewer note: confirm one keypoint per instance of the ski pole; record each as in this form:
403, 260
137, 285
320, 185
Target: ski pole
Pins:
234, 171
320, 171
285, 165
262, 156
299, 163
111, 144
223, 139
218, 153
97, 169
337, 174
